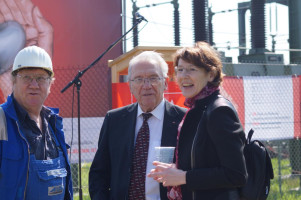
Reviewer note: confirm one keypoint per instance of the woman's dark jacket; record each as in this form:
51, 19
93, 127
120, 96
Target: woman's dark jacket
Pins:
211, 151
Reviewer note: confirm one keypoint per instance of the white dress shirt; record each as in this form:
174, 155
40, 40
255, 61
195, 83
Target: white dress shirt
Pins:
155, 123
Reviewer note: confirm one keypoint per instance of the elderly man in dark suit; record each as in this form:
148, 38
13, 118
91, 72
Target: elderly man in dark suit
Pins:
129, 134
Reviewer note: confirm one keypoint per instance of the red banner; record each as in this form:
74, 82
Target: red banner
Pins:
74, 33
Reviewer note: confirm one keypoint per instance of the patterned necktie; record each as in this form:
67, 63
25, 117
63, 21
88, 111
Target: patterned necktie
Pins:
137, 183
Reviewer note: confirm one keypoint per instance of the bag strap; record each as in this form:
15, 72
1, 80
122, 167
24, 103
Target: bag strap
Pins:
3, 125
250, 134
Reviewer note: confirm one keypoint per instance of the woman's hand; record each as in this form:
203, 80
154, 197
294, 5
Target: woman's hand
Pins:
167, 174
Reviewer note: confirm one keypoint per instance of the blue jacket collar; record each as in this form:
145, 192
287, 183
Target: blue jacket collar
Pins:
9, 107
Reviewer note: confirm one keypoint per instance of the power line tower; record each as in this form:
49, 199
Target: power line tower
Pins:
176, 13
200, 19
134, 20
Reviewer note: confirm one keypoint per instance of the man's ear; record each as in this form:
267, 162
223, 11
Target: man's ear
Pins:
166, 83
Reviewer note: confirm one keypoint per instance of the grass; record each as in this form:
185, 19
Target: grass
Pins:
85, 175
284, 186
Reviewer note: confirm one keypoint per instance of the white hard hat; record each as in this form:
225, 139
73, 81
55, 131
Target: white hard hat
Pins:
33, 57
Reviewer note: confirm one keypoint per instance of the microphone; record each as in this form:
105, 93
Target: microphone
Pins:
138, 16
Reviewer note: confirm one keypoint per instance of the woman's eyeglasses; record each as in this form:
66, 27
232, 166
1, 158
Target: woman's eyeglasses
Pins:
188, 70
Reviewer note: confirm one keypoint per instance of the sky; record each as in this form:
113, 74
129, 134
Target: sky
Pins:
159, 29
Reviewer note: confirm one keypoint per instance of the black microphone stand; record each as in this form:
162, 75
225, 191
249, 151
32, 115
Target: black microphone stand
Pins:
78, 84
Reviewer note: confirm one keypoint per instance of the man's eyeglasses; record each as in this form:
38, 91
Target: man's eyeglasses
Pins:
39, 79
151, 80
188, 70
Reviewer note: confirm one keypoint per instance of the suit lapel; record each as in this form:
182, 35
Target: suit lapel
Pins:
130, 118
170, 125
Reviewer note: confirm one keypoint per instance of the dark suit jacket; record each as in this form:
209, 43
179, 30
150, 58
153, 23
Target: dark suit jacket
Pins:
110, 171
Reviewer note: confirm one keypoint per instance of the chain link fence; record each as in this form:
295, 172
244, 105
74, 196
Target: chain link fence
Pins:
96, 98
285, 152
95, 101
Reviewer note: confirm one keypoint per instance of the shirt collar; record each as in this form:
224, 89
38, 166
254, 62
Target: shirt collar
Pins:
158, 112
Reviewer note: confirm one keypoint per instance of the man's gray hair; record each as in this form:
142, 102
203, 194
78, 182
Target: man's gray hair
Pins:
149, 56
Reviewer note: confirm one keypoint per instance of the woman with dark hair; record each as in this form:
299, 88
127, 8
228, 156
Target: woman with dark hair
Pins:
210, 164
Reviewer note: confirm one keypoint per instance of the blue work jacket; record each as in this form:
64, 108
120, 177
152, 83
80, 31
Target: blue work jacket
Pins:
15, 153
